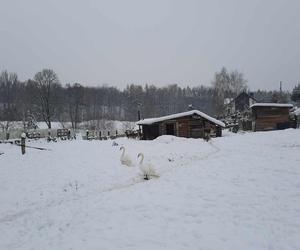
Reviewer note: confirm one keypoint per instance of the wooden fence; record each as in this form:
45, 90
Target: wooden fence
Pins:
61, 133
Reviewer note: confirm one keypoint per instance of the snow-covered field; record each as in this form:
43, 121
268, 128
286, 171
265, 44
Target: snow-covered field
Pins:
241, 191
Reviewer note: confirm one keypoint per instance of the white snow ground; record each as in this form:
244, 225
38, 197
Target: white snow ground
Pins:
241, 191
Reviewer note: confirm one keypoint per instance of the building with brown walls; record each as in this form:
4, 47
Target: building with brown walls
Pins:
190, 124
270, 116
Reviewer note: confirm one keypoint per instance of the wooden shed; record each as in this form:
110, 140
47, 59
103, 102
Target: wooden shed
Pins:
190, 124
270, 116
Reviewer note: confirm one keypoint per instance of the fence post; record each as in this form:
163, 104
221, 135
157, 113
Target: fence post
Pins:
108, 133
49, 136
87, 134
116, 132
100, 135
7, 135
23, 137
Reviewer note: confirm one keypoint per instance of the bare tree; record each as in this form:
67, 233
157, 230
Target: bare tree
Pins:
238, 83
47, 84
227, 85
8, 84
221, 86
43, 99
8, 93
75, 95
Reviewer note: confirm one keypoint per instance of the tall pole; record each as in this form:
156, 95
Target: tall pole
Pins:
139, 118
139, 115
23, 137
280, 93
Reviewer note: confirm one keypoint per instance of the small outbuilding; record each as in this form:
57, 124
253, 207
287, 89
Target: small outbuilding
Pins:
190, 124
270, 116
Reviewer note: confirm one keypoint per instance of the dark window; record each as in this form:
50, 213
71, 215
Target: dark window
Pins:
196, 131
198, 126
150, 132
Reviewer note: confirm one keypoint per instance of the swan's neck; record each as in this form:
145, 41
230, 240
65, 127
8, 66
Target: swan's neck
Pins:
142, 158
123, 151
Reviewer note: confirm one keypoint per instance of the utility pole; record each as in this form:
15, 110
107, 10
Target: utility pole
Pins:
280, 92
139, 115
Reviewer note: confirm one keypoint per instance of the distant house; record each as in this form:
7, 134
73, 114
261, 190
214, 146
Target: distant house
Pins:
190, 124
240, 103
270, 116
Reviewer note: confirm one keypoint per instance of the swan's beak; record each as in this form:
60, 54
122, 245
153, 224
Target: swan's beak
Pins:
139, 155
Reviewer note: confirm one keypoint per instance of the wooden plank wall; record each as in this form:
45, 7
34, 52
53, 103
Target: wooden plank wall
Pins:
185, 123
267, 118
182, 128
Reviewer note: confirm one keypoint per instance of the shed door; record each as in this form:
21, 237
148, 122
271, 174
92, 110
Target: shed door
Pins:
150, 132
170, 128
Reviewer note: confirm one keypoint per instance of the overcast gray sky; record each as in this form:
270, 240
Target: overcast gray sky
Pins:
158, 42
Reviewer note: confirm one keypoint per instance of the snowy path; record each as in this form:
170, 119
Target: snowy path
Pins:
121, 184
237, 192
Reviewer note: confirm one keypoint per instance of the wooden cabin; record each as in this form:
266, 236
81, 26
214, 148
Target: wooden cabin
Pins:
190, 124
270, 116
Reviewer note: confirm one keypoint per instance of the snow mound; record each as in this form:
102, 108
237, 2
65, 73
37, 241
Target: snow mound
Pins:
169, 139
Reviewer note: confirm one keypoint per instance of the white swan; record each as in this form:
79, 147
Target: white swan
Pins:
147, 169
125, 159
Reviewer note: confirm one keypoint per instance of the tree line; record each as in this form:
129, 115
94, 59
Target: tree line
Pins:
44, 98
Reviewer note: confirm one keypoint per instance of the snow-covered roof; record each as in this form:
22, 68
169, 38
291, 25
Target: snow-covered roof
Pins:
150, 121
279, 105
231, 100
